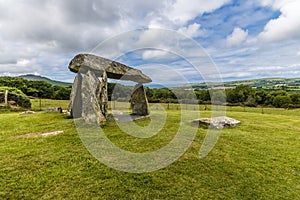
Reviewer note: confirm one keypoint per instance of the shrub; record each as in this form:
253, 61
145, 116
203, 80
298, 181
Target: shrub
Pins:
15, 95
281, 101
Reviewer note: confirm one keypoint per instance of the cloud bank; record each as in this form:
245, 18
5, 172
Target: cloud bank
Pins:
242, 37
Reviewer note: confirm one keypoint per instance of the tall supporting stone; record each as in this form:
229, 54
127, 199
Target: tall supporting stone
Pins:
104, 95
75, 106
138, 102
91, 111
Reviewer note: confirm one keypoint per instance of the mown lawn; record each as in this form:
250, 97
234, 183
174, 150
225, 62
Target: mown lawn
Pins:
257, 160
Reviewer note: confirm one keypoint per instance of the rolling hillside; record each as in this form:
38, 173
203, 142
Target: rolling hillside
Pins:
48, 80
265, 83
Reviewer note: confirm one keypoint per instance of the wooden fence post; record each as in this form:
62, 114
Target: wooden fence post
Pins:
6, 98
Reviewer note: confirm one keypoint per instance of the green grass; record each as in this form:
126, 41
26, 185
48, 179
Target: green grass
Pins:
257, 160
37, 104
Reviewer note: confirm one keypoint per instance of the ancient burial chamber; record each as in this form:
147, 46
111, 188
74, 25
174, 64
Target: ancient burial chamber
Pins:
89, 98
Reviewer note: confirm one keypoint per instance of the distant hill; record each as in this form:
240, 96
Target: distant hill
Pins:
42, 78
269, 83
265, 83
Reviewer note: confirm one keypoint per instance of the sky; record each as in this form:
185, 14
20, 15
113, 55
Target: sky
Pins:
241, 39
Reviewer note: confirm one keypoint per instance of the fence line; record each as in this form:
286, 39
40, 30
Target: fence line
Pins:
125, 106
207, 107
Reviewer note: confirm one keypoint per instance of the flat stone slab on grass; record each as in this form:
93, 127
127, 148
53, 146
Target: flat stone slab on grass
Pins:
217, 122
28, 112
40, 134
121, 117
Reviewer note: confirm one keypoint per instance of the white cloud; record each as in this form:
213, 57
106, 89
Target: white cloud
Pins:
259, 60
183, 11
193, 30
276, 4
35, 31
237, 37
42, 36
154, 54
157, 55
159, 38
167, 74
286, 26
23, 63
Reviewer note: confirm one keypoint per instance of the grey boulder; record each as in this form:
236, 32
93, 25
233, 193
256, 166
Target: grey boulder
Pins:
217, 122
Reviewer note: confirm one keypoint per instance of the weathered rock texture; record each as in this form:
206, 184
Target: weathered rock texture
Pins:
217, 122
75, 106
91, 107
103, 96
139, 102
115, 70
89, 98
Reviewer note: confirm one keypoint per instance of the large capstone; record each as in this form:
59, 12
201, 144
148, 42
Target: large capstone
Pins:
87, 62
139, 102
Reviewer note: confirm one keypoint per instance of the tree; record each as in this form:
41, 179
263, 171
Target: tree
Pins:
217, 96
260, 97
45, 90
17, 96
295, 98
62, 93
270, 97
203, 96
32, 92
240, 94
281, 101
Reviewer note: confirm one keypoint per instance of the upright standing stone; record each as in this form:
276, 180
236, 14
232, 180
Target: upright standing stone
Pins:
101, 94
91, 111
139, 102
104, 96
75, 106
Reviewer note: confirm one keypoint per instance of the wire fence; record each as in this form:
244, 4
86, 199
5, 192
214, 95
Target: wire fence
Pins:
208, 107
42, 104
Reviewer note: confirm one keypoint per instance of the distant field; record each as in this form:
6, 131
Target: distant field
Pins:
42, 104
257, 160
291, 84
48, 103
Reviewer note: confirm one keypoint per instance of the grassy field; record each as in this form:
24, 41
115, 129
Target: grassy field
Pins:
257, 160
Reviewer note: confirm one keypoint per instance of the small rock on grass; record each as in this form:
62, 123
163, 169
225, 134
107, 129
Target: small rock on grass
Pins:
217, 122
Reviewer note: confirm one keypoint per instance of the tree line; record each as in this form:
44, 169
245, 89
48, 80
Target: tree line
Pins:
241, 95
248, 96
13, 96
37, 89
